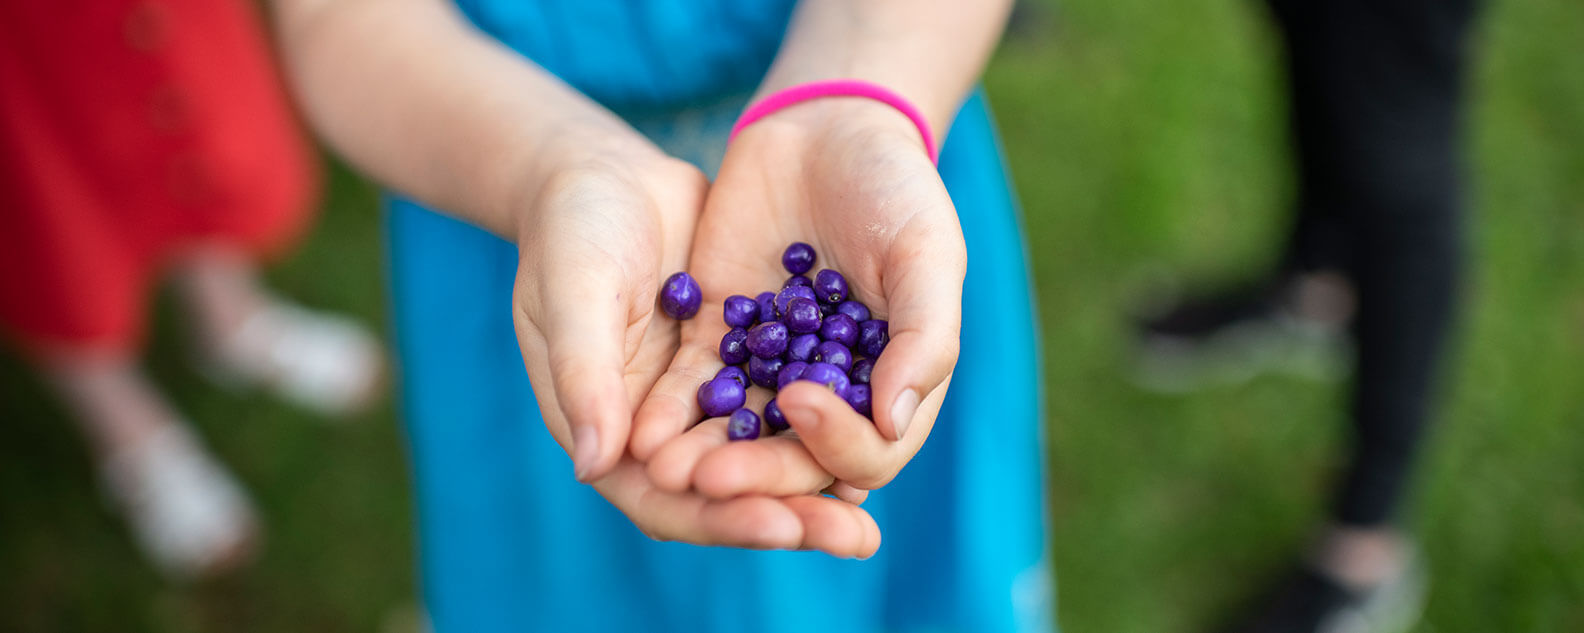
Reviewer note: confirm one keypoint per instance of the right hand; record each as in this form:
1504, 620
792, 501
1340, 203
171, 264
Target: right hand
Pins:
851, 178
596, 238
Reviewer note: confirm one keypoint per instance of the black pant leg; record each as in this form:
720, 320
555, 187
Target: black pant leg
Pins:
1377, 99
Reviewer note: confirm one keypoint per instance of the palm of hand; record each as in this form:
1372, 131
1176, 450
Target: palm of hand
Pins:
873, 207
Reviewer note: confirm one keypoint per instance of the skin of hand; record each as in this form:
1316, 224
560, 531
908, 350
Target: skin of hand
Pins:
594, 244
595, 247
600, 215
850, 177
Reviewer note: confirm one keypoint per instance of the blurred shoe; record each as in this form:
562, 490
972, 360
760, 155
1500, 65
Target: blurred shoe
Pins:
1310, 601
187, 513
325, 363
1295, 324
1030, 21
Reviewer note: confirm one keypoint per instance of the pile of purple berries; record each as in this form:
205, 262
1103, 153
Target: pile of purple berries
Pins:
809, 330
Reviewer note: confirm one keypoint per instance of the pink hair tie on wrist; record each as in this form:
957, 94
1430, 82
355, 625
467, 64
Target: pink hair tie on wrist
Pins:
838, 88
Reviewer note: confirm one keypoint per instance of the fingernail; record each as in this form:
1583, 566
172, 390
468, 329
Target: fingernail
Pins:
807, 418
902, 411
585, 449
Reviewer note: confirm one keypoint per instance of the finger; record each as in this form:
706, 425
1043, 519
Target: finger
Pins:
836, 527
672, 405
586, 354
751, 522
757, 522
673, 465
777, 466
925, 268
847, 492
844, 443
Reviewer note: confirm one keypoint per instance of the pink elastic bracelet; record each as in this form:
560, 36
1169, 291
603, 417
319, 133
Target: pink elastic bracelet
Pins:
838, 88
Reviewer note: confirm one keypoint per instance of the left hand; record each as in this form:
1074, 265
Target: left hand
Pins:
850, 177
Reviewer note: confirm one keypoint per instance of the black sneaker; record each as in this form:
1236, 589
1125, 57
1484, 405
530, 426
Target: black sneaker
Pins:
1292, 324
1311, 602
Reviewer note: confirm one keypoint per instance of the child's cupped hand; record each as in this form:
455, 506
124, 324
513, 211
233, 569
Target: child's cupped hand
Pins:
851, 178
596, 240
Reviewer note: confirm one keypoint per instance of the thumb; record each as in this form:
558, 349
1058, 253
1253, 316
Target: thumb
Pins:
924, 305
585, 346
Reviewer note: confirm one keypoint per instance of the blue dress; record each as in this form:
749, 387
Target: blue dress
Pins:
510, 542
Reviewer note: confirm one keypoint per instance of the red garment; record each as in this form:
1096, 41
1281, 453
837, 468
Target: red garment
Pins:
130, 129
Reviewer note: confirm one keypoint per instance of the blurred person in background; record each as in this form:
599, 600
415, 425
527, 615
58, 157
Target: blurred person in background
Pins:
549, 160
139, 139
1376, 94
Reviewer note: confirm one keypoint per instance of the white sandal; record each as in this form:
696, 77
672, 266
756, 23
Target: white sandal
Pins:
189, 515
325, 363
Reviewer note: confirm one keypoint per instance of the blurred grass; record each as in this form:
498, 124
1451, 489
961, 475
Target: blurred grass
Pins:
1148, 137
334, 495
1144, 137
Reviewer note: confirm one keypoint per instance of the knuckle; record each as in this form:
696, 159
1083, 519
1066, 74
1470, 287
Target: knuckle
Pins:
681, 171
655, 533
569, 379
566, 366
528, 306
950, 348
870, 475
876, 481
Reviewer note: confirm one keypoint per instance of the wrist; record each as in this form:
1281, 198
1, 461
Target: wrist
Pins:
826, 119
569, 148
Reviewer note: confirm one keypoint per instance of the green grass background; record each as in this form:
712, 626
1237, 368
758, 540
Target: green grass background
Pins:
1144, 137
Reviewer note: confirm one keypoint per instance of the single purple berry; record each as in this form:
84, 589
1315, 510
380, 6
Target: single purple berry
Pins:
873, 337
859, 397
767, 340
858, 311
802, 316
680, 296
740, 311
767, 311
798, 280
773, 416
861, 370
733, 346
735, 373
721, 396
788, 294
828, 375
839, 328
798, 258
831, 286
802, 347
763, 371
744, 425
835, 354
790, 372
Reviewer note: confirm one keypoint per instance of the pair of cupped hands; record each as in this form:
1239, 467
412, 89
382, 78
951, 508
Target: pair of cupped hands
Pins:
617, 379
